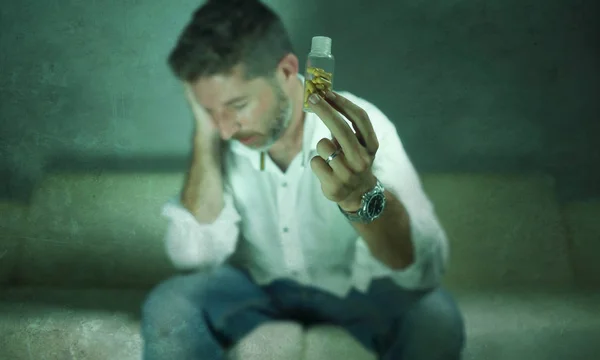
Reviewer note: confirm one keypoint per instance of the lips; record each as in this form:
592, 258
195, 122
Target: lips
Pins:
247, 140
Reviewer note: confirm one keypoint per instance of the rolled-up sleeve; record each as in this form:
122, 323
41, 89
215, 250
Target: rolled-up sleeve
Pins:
394, 169
192, 245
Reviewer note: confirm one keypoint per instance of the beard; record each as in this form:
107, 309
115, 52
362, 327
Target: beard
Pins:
281, 115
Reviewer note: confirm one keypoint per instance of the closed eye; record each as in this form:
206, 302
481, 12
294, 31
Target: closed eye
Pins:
239, 106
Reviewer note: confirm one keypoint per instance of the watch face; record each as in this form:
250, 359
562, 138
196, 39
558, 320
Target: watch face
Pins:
375, 206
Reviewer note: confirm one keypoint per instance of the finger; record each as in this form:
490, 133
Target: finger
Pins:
323, 171
332, 187
335, 142
359, 118
325, 148
197, 109
339, 129
189, 93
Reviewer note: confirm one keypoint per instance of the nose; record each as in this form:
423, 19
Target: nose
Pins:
227, 125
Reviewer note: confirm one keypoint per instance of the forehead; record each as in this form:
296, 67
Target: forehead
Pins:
216, 90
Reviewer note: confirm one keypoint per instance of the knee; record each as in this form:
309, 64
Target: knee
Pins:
174, 302
227, 289
168, 305
225, 277
434, 325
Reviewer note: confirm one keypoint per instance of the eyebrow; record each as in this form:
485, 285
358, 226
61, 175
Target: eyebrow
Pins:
236, 99
232, 101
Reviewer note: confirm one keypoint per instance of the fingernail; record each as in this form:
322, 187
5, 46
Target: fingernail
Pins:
314, 98
330, 95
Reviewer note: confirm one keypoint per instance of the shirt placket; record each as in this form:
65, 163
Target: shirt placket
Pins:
292, 250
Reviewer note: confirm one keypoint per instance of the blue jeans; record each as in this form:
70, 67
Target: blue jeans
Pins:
201, 315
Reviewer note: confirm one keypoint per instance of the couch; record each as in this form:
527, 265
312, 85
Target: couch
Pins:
77, 261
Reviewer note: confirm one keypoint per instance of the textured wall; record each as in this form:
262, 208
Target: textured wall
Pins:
471, 85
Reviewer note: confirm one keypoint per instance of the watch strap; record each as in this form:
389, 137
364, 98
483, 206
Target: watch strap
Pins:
360, 215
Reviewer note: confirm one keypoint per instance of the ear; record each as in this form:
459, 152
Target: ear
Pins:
289, 66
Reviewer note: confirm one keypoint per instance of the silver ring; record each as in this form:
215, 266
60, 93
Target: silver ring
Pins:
333, 155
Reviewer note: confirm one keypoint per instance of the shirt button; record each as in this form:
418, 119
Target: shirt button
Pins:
284, 184
285, 229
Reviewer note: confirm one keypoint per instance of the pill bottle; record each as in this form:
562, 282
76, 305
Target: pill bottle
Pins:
318, 76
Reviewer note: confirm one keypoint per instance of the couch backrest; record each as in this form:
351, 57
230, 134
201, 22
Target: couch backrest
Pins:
505, 230
98, 230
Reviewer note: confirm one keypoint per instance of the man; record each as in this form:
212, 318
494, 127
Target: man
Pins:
291, 215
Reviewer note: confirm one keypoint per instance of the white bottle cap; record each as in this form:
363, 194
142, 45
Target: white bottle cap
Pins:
321, 45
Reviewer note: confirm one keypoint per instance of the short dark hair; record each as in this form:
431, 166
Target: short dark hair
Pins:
226, 33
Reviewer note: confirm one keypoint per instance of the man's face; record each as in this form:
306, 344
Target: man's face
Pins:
255, 112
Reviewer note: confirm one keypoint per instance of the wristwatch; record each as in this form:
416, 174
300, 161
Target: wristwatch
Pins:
372, 205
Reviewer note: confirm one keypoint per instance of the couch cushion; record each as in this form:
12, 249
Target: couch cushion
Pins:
13, 219
504, 230
332, 342
272, 341
583, 223
104, 324
97, 230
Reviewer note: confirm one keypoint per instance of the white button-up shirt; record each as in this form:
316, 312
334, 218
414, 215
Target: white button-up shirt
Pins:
280, 225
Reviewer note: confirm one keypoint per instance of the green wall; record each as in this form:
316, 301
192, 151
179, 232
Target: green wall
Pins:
494, 86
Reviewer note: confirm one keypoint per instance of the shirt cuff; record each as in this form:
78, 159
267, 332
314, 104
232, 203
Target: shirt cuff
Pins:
191, 244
